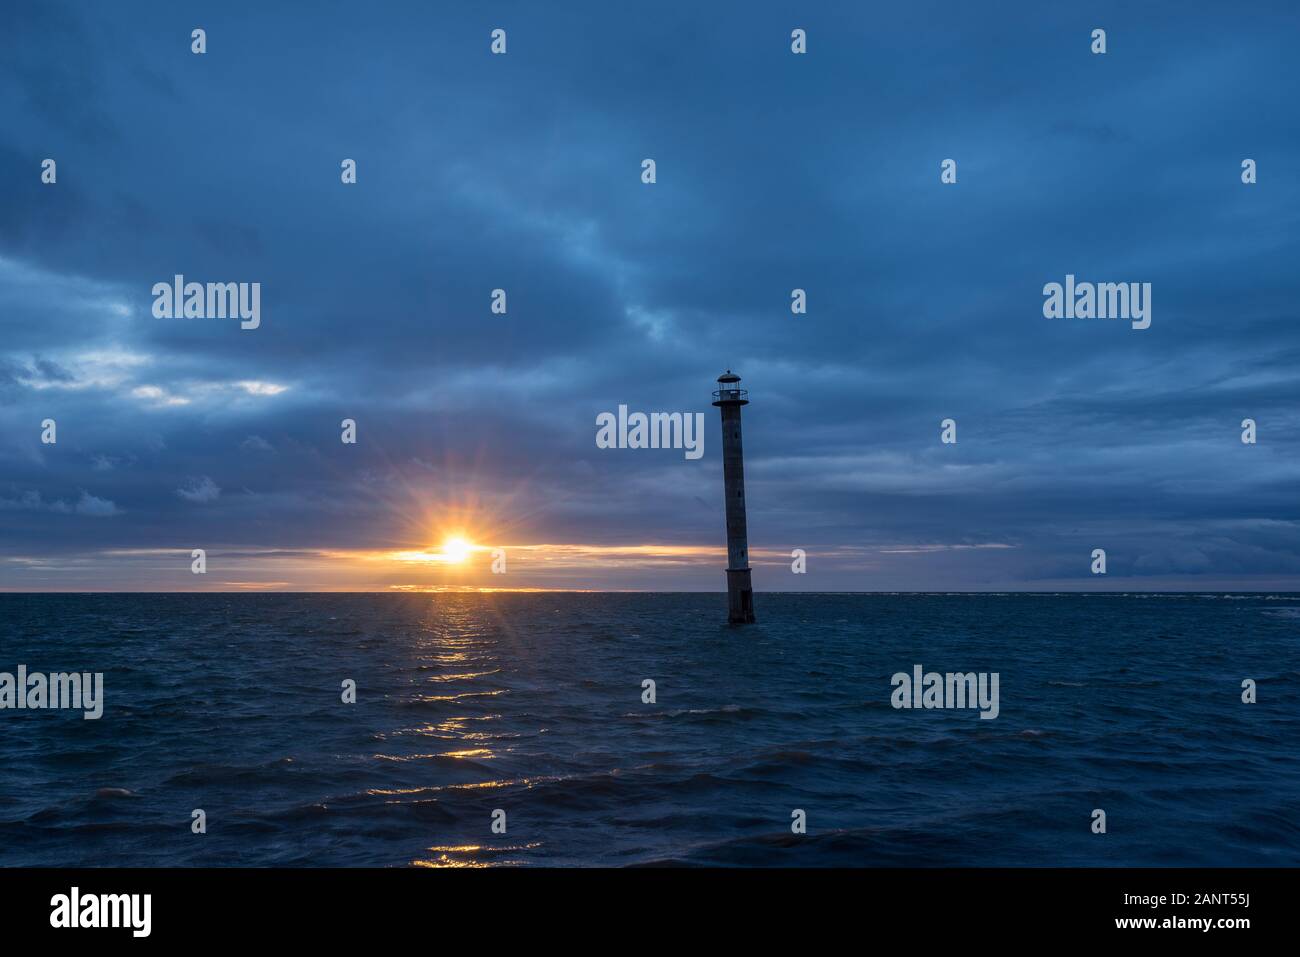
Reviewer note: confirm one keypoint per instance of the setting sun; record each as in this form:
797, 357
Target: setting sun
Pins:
456, 550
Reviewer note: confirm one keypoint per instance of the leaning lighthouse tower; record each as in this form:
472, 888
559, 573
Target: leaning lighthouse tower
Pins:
740, 593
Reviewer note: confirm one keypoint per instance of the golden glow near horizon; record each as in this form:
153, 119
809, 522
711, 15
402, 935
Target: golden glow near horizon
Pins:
455, 550
451, 554
440, 555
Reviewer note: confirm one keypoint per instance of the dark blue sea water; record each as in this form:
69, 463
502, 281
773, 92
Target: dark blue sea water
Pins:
531, 703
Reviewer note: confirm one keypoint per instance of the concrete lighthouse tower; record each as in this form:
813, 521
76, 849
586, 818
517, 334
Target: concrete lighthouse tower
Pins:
740, 593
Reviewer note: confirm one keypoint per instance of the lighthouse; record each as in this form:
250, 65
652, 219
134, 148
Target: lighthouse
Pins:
740, 593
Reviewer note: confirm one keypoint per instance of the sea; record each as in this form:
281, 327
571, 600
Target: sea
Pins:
518, 729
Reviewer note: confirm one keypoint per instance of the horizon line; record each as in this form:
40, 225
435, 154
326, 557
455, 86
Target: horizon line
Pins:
643, 591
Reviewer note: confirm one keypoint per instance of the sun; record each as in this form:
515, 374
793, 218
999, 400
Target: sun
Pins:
456, 550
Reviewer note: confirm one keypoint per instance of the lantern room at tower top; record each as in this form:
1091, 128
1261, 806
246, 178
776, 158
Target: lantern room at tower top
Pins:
729, 391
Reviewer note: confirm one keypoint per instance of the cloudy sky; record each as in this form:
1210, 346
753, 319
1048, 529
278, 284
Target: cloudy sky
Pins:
774, 172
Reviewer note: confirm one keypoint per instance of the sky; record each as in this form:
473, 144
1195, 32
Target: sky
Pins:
774, 171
